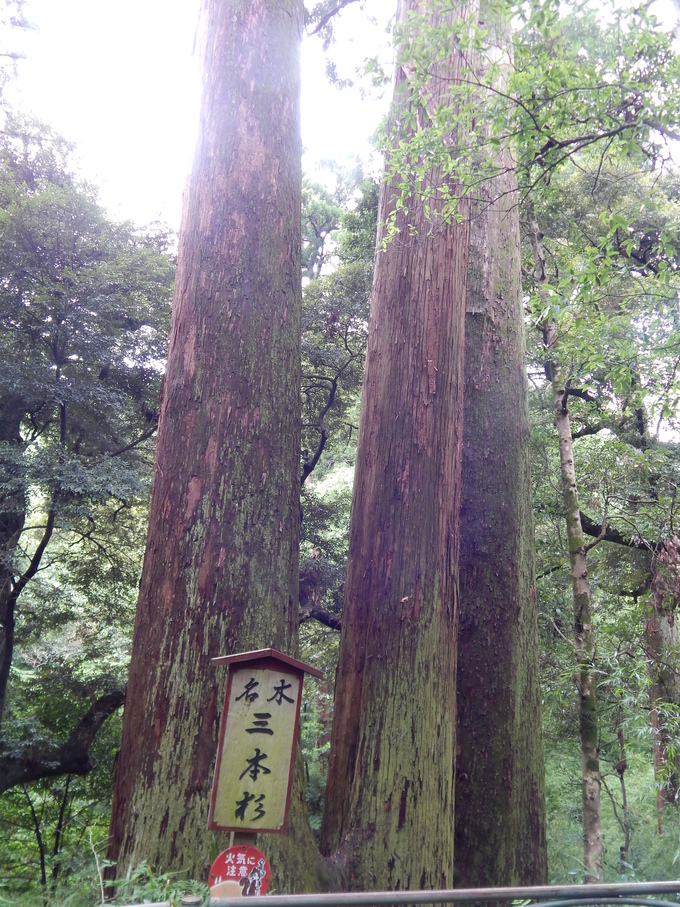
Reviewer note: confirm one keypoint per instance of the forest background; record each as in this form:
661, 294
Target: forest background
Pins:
80, 464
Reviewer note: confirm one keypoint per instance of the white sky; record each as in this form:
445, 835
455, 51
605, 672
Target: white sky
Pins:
118, 78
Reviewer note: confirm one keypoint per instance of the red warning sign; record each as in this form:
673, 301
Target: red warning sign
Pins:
241, 871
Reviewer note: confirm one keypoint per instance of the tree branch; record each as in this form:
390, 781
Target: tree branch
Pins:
325, 19
586, 430
601, 534
72, 757
613, 802
312, 612
664, 130
143, 437
32, 568
310, 464
581, 394
593, 529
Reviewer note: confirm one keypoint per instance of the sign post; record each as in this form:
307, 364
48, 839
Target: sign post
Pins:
257, 740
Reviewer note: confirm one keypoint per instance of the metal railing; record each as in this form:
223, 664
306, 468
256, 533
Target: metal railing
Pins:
557, 895
633, 893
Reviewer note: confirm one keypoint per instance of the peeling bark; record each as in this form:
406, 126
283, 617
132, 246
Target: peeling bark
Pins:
500, 785
388, 816
221, 566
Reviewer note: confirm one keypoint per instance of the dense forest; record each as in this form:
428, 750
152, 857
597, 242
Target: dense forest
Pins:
419, 430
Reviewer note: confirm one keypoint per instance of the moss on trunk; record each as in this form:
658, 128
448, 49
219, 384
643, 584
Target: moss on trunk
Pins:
221, 566
390, 799
500, 798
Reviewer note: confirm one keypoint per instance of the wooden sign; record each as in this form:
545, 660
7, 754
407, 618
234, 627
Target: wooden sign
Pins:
256, 749
241, 871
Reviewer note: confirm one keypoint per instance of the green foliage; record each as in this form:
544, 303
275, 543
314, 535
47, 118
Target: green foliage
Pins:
357, 233
84, 306
334, 325
315, 743
143, 886
85, 311
589, 99
321, 214
580, 77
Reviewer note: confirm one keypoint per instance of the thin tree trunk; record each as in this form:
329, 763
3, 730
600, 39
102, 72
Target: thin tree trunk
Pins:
9, 603
584, 637
12, 519
621, 771
388, 816
59, 830
221, 566
500, 784
38, 836
661, 649
660, 638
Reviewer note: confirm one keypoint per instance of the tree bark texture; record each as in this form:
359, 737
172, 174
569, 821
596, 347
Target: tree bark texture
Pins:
221, 566
661, 648
500, 785
12, 518
584, 637
388, 816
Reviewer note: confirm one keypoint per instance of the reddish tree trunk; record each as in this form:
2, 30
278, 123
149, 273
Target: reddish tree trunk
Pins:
390, 798
221, 567
500, 784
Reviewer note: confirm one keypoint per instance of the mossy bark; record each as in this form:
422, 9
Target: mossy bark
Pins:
388, 817
500, 834
221, 566
662, 648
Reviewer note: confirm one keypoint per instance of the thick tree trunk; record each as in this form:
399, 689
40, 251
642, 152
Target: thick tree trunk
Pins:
221, 566
389, 803
500, 797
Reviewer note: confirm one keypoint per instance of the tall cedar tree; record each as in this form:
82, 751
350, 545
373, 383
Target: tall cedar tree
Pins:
220, 572
500, 787
389, 803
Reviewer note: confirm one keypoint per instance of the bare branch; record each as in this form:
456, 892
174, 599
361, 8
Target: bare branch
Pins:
582, 394
590, 527
310, 464
32, 568
601, 534
313, 612
325, 19
143, 437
